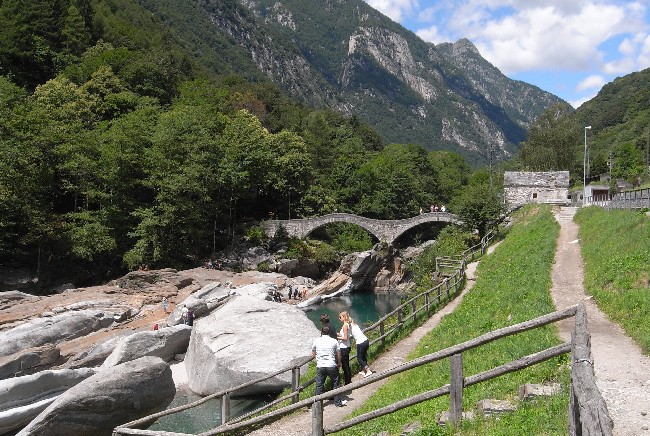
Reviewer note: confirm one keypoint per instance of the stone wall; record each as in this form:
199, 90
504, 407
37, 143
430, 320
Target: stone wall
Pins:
551, 187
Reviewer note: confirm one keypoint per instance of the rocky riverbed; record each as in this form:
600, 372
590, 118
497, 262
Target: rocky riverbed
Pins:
79, 345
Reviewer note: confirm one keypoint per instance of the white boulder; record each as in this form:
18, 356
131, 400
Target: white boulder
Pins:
245, 339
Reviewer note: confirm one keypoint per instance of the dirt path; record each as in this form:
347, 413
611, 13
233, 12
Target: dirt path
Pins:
622, 371
299, 423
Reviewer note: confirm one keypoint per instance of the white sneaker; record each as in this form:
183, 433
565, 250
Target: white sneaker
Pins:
367, 373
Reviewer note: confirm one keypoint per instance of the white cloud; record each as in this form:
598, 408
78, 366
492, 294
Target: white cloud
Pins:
432, 34
524, 35
577, 103
595, 81
394, 9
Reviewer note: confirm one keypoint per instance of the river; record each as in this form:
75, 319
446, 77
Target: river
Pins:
364, 307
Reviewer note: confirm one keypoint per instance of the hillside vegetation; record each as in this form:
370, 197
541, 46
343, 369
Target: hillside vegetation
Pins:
616, 251
617, 143
512, 286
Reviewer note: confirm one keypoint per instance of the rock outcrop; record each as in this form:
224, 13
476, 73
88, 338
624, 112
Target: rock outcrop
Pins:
111, 397
52, 330
29, 361
164, 343
23, 398
244, 340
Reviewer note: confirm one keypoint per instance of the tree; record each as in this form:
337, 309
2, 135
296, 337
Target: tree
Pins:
552, 141
479, 207
74, 34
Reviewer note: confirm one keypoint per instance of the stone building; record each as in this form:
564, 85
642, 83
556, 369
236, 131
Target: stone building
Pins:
550, 187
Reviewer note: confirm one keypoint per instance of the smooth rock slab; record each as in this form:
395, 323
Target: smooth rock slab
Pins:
245, 339
111, 397
23, 398
164, 343
52, 330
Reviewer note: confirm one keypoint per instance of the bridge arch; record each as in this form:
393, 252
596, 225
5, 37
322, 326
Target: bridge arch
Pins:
384, 230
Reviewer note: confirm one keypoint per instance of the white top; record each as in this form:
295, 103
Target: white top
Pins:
326, 349
357, 334
344, 343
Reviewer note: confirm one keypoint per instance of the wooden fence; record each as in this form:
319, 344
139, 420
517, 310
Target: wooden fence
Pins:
452, 280
588, 414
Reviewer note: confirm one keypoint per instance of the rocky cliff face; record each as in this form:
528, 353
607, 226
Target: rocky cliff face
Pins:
349, 57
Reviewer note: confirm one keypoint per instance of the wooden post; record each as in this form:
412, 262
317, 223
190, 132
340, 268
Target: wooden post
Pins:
447, 286
456, 389
381, 333
317, 419
399, 316
426, 301
225, 408
414, 307
295, 383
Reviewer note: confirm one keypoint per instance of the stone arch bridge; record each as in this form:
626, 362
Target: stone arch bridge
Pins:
384, 230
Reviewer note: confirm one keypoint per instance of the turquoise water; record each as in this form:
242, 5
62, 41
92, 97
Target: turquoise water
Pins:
206, 416
365, 308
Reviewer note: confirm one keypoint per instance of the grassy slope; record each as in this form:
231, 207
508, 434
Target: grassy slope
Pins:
617, 269
513, 282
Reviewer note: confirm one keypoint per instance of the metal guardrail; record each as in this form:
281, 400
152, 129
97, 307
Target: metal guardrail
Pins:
635, 199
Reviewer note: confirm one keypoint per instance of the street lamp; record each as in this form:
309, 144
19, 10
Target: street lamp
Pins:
584, 170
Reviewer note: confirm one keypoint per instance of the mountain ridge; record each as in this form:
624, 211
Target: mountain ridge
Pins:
346, 56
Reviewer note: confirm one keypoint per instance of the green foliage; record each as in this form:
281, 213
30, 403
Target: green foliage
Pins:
479, 207
512, 286
350, 238
553, 141
256, 235
451, 241
616, 268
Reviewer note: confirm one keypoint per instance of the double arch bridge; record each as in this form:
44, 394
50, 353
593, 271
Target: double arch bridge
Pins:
384, 230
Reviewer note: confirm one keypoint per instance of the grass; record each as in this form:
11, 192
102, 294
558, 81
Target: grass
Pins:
513, 286
616, 251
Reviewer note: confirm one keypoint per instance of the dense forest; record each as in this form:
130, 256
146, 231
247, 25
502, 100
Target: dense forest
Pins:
114, 156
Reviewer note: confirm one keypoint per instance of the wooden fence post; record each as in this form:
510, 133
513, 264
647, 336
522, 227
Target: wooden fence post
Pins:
426, 301
456, 389
447, 286
295, 383
381, 333
317, 418
225, 408
399, 316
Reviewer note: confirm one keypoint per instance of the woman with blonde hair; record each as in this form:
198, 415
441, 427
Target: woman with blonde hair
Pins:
361, 340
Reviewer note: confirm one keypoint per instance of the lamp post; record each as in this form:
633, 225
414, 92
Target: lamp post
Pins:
584, 170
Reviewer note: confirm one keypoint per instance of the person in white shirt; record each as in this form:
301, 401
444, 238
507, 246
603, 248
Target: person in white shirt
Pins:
344, 344
362, 343
328, 361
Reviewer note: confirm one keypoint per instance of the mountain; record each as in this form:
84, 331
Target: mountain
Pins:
344, 55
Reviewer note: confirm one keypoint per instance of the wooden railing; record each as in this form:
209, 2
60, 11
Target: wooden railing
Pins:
392, 322
587, 414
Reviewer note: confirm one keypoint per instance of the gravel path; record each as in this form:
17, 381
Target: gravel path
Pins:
622, 371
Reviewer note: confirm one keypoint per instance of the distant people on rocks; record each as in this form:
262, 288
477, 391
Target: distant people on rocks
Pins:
187, 316
431, 208
276, 296
165, 304
328, 361
361, 341
442, 208
344, 344
421, 211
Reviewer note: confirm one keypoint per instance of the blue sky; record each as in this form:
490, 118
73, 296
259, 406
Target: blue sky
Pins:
570, 48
